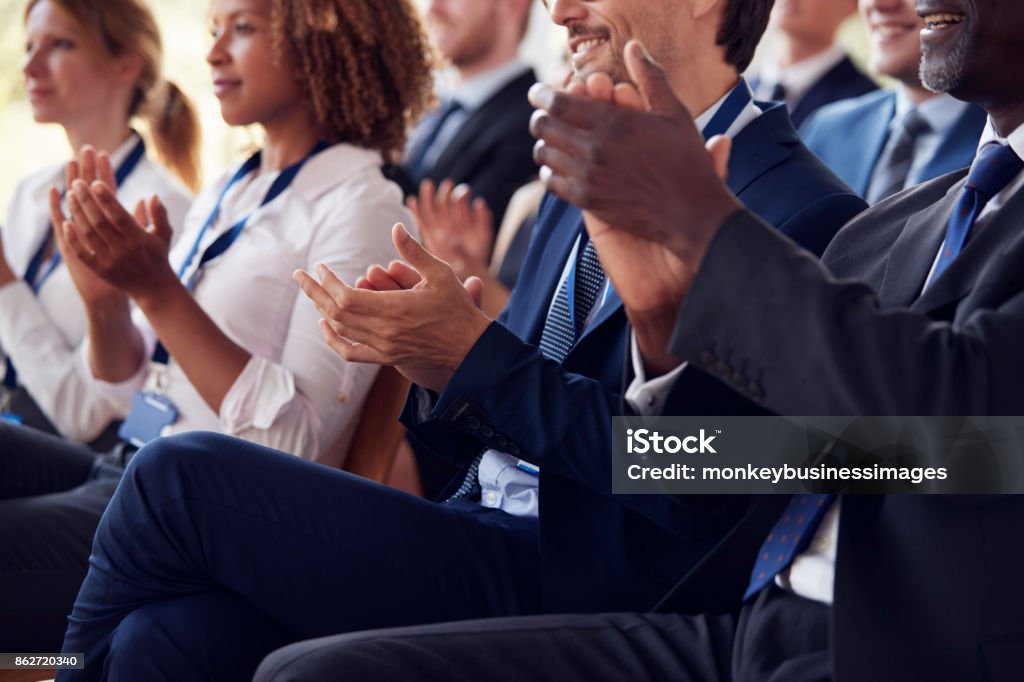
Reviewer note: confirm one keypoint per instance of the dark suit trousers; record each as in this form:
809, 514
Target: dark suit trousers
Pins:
778, 638
215, 551
52, 494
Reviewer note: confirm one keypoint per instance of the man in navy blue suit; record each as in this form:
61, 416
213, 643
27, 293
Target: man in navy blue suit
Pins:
213, 546
806, 68
922, 313
886, 141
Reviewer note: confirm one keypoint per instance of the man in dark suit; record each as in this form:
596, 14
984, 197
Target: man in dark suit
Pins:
882, 587
480, 134
886, 141
522, 404
808, 70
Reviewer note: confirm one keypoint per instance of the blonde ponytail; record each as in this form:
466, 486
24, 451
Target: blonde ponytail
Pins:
174, 127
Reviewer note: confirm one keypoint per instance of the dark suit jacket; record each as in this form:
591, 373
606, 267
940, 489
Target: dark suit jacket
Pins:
849, 137
493, 151
927, 588
843, 81
597, 553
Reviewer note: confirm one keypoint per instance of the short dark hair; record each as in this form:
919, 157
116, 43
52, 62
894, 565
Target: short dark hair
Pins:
743, 25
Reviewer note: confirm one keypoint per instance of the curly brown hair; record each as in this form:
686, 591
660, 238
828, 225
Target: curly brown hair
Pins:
366, 66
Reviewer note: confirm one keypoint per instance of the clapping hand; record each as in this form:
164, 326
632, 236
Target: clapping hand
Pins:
454, 228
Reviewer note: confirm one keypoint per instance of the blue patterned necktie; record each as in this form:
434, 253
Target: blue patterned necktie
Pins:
560, 329
993, 169
791, 534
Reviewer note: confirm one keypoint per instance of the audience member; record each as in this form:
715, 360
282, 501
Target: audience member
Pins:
885, 141
223, 340
278, 549
93, 69
909, 321
480, 135
808, 70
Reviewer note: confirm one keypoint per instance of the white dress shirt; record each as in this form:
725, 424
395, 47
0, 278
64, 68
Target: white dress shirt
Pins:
503, 484
812, 573
295, 394
41, 332
797, 78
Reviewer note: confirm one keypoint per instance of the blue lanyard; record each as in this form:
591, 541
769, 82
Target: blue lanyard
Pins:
36, 275
734, 104
224, 242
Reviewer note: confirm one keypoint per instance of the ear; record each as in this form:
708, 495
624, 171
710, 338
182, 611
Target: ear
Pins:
701, 8
129, 67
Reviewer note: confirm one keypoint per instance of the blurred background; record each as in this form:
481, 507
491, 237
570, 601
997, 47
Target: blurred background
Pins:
26, 145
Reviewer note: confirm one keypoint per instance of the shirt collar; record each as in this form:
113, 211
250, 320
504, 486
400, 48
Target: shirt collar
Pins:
798, 78
940, 112
749, 113
473, 92
1014, 139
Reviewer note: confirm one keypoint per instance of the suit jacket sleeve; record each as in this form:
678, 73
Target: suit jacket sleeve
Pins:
808, 344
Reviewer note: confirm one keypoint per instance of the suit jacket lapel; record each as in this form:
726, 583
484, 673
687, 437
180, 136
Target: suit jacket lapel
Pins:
914, 251
982, 246
763, 144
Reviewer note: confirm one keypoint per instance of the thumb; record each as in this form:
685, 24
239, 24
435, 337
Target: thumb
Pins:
651, 80
414, 253
161, 224
475, 287
720, 147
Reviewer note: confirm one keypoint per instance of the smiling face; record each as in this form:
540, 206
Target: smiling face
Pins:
972, 49
68, 77
252, 83
894, 31
599, 30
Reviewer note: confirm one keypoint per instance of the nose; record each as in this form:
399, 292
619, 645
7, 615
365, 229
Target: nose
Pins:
218, 53
565, 12
33, 65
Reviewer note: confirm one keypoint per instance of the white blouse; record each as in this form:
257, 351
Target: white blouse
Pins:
295, 394
40, 333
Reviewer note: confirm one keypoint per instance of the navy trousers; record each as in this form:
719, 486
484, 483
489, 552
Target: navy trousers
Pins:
214, 551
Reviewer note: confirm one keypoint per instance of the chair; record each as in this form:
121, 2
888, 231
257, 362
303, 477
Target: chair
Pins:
374, 446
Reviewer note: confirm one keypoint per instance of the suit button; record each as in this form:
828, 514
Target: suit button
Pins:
722, 368
513, 449
738, 379
500, 441
472, 423
706, 358
486, 431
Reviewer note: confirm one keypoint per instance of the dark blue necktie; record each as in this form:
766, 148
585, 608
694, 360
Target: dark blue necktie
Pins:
564, 325
788, 538
898, 156
417, 163
993, 169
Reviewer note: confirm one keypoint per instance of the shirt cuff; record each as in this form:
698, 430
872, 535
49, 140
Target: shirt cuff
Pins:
260, 393
647, 398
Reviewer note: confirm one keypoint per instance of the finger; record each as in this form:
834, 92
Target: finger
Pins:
72, 172
461, 217
350, 304
475, 287
600, 86
557, 161
426, 203
140, 213
56, 210
351, 352
652, 82
161, 224
404, 274
561, 186
419, 258
576, 87
626, 95
443, 206
87, 157
576, 110
482, 222
105, 170
71, 241
380, 280
85, 215
322, 300
560, 134
120, 221
720, 147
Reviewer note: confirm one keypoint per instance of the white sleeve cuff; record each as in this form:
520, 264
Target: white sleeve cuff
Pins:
645, 397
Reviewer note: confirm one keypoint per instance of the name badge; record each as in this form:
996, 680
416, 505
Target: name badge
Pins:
150, 413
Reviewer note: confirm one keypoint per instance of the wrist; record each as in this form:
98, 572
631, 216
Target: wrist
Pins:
690, 245
157, 293
103, 309
653, 331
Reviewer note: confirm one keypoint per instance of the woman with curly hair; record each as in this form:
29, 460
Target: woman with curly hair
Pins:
221, 338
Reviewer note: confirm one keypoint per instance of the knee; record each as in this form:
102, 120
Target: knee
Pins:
144, 647
172, 460
361, 656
